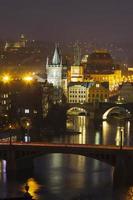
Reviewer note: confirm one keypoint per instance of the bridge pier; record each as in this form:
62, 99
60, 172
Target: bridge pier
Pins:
17, 164
11, 161
123, 171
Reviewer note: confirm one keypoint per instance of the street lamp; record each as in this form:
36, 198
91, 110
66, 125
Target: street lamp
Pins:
28, 127
10, 134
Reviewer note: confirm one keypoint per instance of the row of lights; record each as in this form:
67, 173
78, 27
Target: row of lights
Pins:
8, 78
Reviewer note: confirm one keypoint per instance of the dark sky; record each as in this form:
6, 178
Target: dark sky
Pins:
69, 20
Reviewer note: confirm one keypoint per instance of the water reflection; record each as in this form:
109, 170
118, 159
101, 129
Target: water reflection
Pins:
120, 136
105, 129
78, 125
97, 137
3, 176
33, 187
59, 176
128, 127
129, 195
114, 131
81, 124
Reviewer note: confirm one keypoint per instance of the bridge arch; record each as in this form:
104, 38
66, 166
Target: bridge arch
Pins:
76, 111
116, 112
20, 156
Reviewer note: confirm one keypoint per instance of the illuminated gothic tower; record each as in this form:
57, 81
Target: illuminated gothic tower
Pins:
54, 70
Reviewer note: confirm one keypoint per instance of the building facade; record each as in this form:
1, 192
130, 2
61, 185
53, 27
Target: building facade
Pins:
88, 92
19, 100
114, 78
76, 74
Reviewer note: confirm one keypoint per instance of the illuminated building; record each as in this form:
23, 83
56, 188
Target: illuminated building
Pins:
14, 46
84, 59
56, 75
76, 92
54, 70
76, 71
114, 78
99, 92
101, 68
88, 92
76, 74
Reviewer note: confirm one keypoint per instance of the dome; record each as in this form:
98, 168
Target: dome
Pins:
100, 60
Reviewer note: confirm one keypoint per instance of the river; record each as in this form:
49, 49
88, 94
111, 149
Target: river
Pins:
67, 177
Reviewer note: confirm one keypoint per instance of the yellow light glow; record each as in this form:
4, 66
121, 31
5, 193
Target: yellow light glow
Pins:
6, 78
27, 78
33, 187
27, 124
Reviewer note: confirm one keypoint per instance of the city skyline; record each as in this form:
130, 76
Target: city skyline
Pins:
61, 20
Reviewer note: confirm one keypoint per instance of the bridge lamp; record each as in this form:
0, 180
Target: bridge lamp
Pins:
27, 137
10, 136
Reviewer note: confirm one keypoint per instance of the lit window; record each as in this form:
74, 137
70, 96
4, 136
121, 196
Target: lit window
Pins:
97, 85
27, 111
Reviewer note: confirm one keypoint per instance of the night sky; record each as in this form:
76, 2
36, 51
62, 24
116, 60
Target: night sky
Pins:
67, 20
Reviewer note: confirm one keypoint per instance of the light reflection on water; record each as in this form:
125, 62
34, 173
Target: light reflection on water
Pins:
33, 187
129, 195
59, 176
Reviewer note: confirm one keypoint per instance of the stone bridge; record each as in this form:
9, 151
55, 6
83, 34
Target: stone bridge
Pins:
97, 110
20, 156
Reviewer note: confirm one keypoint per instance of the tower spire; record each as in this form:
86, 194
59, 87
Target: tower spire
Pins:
56, 56
77, 54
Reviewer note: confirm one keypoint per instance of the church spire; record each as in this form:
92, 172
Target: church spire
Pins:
77, 54
56, 56
47, 61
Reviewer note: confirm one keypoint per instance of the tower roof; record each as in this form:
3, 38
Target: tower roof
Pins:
56, 57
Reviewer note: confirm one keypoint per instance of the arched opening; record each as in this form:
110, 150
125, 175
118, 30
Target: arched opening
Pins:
116, 113
76, 111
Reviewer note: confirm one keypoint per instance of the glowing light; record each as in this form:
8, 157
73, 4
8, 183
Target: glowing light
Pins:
28, 78
129, 195
6, 78
33, 187
27, 124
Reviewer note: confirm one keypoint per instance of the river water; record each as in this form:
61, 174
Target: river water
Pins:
65, 177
